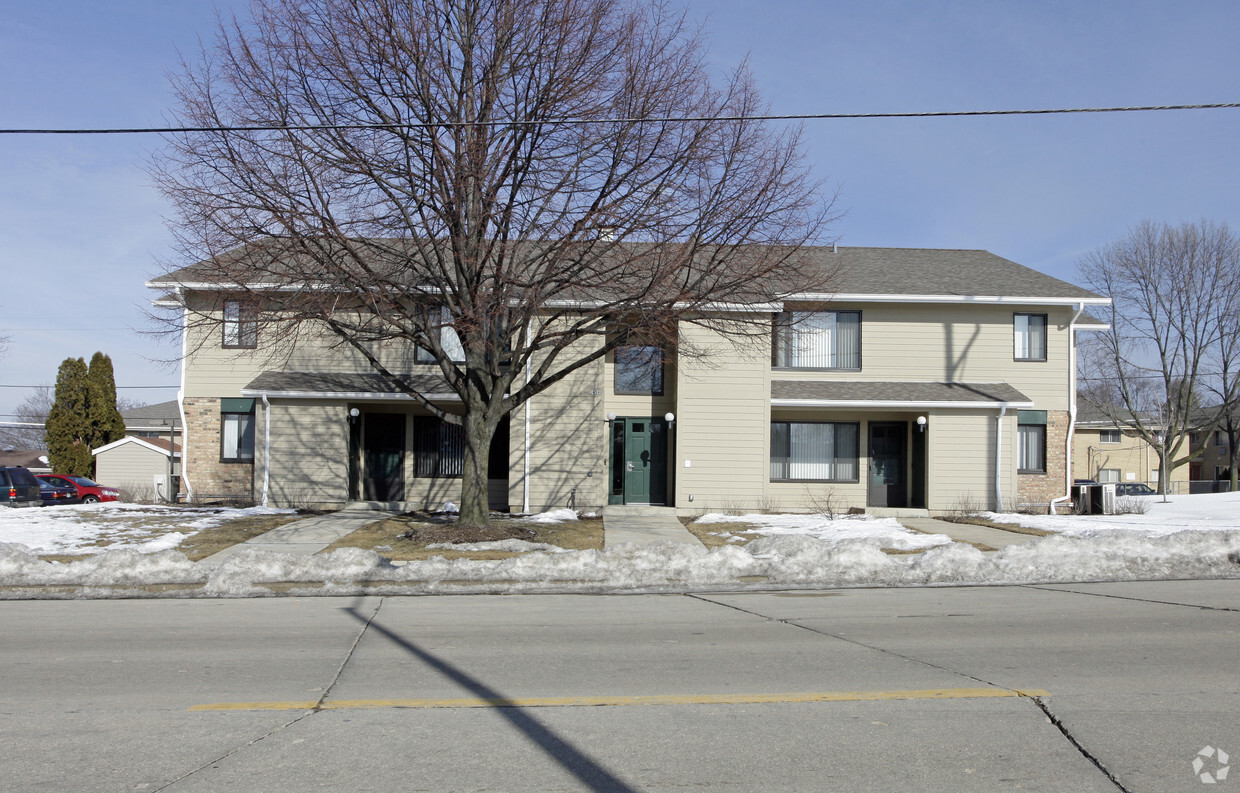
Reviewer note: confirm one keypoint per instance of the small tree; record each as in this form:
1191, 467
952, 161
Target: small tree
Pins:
103, 419
1175, 293
67, 447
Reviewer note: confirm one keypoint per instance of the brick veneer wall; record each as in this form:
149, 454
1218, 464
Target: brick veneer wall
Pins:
207, 475
1034, 492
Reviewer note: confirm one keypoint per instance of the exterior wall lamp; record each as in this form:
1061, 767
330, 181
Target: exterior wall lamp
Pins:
921, 423
353, 414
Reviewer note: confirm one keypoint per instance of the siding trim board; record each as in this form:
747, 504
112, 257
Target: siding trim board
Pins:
880, 403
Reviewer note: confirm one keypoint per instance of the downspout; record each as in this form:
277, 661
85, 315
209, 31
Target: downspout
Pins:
1080, 309
999, 458
266, 447
525, 474
189, 488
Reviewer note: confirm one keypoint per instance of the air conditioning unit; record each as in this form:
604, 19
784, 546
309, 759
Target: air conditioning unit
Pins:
1108, 498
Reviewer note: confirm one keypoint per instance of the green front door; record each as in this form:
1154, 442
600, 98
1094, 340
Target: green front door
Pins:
639, 461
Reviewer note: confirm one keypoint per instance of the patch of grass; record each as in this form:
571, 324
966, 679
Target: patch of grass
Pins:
208, 541
405, 537
713, 535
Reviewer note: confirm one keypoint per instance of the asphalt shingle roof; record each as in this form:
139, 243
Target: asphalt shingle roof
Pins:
886, 391
341, 383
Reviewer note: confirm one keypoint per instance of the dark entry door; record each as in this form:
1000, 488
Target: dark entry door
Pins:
639, 461
887, 464
383, 451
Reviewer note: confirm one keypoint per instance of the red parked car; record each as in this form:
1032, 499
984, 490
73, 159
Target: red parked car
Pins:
90, 492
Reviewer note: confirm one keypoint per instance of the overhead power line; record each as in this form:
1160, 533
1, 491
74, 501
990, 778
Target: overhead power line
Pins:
45, 385
588, 121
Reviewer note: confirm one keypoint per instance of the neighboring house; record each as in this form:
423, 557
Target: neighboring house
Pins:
147, 461
34, 459
1210, 470
928, 381
1107, 452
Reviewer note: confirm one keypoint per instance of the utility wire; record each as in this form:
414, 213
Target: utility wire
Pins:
586, 121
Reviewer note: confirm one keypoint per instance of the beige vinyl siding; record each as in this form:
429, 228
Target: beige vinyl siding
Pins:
961, 460
956, 343
567, 448
309, 452
133, 467
723, 422
821, 496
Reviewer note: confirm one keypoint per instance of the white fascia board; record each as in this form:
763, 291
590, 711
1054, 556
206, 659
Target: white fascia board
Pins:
1092, 326
370, 395
959, 299
140, 442
897, 404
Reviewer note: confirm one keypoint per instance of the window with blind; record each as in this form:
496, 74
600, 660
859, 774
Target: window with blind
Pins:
818, 340
449, 340
1031, 442
439, 448
1030, 337
806, 451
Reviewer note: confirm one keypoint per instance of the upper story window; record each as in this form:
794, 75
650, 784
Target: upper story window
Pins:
1221, 440
639, 370
449, 341
818, 340
1030, 337
240, 325
1110, 436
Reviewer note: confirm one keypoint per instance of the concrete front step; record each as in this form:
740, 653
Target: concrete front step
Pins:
638, 510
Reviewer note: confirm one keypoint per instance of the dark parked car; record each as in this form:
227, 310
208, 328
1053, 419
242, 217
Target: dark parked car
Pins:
88, 491
1134, 489
18, 487
55, 495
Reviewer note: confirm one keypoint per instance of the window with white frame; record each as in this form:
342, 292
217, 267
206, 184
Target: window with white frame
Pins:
818, 340
1031, 441
809, 451
1110, 436
1108, 475
240, 325
1030, 337
449, 340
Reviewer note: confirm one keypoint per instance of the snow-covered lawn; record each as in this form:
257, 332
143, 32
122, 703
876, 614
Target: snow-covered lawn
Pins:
1207, 512
86, 528
1192, 537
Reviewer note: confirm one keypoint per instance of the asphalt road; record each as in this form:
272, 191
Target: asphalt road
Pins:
1076, 688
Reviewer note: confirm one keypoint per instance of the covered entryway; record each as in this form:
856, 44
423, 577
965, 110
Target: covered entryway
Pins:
638, 470
383, 457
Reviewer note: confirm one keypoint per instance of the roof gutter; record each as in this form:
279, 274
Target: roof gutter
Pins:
1080, 309
896, 404
185, 458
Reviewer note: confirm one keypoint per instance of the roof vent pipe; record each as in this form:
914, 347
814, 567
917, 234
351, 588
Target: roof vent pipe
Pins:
834, 249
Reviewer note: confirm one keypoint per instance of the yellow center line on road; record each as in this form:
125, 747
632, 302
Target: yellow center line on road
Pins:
623, 701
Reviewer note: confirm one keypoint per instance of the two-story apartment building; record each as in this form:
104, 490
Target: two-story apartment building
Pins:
927, 380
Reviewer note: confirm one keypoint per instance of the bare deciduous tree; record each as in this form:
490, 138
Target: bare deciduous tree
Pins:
1175, 294
509, 170
32, 410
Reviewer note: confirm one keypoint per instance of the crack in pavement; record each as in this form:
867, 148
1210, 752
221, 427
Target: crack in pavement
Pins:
1038, 702
1049, 588
318, 707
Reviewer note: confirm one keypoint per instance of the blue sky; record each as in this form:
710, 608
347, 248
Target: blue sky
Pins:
81, 229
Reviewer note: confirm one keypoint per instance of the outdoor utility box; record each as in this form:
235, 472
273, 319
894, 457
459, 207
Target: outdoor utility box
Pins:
1094, 499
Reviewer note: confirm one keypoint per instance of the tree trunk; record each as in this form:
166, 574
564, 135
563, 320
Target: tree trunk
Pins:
479, 431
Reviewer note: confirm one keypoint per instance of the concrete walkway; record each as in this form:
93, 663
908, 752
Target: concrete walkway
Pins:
643, 525
963, 532
309, 536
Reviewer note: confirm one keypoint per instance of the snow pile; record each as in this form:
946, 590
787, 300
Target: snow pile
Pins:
554, 516
775, 562
887, 531
511, 545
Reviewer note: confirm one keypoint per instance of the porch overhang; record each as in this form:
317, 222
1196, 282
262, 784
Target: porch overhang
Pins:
346, 385
890, 395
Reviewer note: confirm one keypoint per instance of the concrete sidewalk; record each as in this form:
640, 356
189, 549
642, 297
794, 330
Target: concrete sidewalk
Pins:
309, 536
963, 532
643, 525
